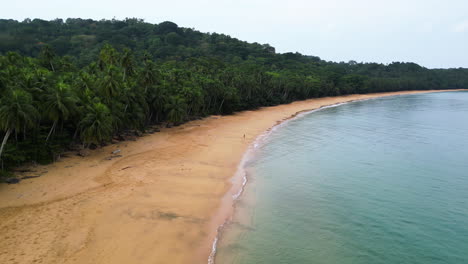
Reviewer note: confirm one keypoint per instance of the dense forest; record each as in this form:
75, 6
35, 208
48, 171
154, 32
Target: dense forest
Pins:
80, 82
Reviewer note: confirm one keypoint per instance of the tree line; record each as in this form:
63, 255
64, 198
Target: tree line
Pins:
78, 81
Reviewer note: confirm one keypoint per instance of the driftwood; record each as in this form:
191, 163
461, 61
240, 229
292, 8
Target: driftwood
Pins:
116, 151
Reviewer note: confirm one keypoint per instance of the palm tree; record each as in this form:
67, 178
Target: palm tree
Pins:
48, 54
136, 107
59, 104
96, 125
128, 64
109, 84
148, 75
157, 97
107, 57
176, 108
16, 112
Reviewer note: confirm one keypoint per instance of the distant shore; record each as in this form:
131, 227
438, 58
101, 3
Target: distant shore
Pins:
161, 201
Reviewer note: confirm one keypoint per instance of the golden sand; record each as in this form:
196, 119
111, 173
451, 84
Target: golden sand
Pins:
159, 203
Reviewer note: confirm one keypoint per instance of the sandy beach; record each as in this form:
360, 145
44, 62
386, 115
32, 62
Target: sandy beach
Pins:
160, 202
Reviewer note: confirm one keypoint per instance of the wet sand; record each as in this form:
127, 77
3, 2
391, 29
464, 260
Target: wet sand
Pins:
161, 202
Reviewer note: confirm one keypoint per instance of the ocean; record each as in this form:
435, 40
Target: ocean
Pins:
376, 181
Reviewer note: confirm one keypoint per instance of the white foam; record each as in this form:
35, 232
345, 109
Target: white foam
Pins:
213, 250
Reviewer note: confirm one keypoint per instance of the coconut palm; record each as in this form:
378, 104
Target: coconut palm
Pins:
176, 108
48, 54
127, 64
59, 104
16, 112
110, 83
148, 75
107, 57
157, 98
96, 125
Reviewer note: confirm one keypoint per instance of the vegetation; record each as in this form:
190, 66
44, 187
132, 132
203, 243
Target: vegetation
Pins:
82, 81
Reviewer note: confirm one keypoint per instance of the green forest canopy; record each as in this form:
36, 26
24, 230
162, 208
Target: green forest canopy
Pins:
81, 81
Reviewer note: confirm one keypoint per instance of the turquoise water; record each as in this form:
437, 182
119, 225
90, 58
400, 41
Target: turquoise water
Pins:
377, 181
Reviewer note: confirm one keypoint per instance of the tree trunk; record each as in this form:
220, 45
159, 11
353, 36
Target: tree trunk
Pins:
150, 117
75, 134
5, 139
220, 106
51, 130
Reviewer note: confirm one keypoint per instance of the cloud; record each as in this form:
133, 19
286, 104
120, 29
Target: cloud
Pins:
461, 27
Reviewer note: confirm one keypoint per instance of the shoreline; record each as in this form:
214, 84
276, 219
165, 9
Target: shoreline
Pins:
260, 140
163, 200
248, 155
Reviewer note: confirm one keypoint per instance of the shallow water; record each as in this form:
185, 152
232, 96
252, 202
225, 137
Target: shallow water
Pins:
376, 181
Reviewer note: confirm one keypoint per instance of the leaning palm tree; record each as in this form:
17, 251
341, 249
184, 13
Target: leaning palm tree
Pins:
16, 112
96, 125
59, 104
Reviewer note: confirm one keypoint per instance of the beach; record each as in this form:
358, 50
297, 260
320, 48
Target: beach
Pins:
161, 201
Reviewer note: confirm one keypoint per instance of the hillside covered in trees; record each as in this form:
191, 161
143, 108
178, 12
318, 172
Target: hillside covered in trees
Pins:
81, 81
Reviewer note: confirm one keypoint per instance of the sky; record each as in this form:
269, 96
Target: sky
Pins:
431, 33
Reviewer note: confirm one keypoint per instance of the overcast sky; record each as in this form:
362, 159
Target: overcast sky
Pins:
431, 33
